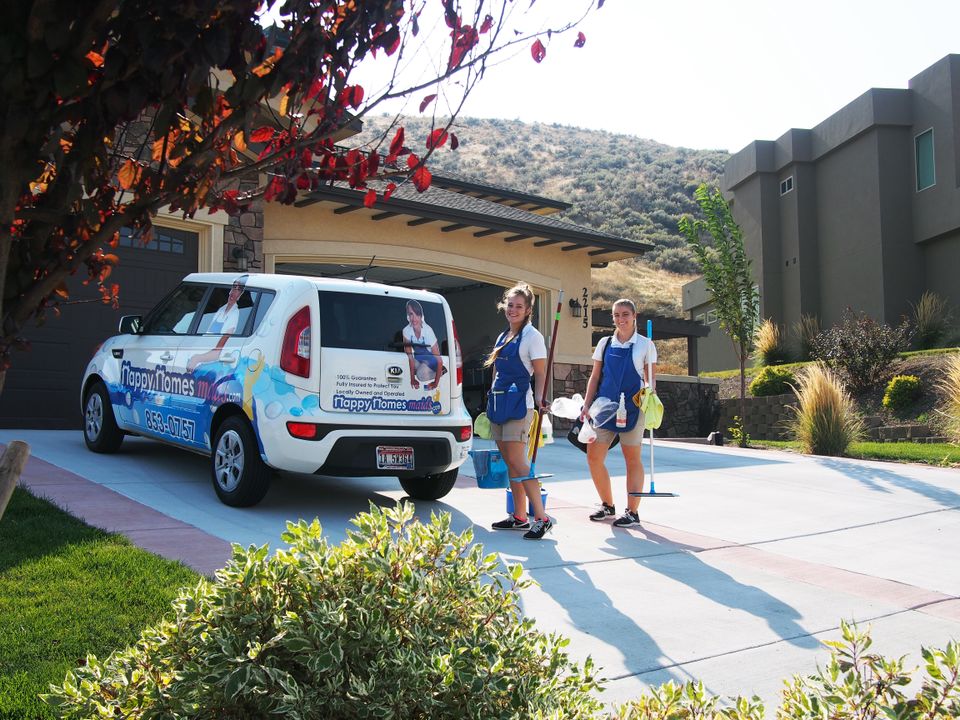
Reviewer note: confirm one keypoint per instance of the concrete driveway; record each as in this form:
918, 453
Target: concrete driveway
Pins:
734, 582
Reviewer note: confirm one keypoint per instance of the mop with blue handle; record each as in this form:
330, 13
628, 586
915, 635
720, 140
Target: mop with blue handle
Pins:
650, 391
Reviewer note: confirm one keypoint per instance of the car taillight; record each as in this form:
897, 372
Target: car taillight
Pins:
302, 430
466, 432
295, 352
456, 345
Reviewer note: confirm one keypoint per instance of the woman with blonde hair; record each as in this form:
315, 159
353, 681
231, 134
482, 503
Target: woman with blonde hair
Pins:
518, 353
620, 369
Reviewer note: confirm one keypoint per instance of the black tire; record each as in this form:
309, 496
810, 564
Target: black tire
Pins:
240, 477
100, 431
430, 487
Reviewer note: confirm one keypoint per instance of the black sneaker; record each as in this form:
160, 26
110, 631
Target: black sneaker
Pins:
539, 529
628, 519
511, 523
604, 513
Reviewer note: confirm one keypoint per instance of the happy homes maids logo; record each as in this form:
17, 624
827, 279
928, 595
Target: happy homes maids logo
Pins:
377, 403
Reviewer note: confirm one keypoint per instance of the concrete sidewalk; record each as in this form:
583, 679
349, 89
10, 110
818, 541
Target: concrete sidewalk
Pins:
735, 582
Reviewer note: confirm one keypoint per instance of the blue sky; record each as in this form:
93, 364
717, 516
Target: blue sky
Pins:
711, 74
721, 73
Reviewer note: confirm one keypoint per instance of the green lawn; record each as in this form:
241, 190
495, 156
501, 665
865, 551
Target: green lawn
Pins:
941, 454
66, 590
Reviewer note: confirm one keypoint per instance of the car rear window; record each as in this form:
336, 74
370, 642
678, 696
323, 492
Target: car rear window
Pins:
377, 322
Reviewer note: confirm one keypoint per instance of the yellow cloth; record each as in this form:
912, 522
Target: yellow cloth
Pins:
651, 407
532, 432
481, 427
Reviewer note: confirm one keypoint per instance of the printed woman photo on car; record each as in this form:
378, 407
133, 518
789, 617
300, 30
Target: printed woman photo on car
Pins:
423, 351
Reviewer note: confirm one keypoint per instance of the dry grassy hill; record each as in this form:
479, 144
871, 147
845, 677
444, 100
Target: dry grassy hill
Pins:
625, 185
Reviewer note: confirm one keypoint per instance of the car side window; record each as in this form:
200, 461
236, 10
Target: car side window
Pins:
228, 311
177, 313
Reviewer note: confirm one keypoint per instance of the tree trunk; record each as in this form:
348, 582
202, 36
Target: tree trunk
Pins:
11, 465
743, 398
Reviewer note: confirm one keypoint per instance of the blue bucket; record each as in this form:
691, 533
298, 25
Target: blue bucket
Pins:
510, 505
490, 469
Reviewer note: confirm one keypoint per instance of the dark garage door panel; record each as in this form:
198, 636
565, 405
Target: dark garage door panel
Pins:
43, 385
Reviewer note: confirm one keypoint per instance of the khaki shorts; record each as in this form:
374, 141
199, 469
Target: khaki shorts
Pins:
513, 430
631, 437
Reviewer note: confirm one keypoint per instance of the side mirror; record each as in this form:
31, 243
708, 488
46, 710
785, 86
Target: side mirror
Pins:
131, 325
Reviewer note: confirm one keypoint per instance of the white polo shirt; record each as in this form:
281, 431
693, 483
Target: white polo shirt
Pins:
643, 350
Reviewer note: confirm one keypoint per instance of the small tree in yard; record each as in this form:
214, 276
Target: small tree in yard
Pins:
218, 104
717, 242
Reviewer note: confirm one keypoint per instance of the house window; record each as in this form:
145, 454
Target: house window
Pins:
786, 185
711, 317
701, 318
168, 240
926, 172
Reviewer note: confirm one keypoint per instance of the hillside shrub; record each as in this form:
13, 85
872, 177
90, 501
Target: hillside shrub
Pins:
931, 320
403, 619
861, 349
949, 406
772, 381
769, 346
854, 685
805, 330
901, 392
825, 421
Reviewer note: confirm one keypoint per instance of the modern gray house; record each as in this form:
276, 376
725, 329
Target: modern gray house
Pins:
862, 211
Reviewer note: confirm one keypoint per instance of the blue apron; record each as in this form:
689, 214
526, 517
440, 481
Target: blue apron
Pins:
507, 399
620, 376
423, 354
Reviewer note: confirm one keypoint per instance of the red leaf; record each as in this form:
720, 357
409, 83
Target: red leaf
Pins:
370, 198
487, 24
389, 191
426, 101
412, 160
580, 41
421, 179
396, 145
315, 87
373, 162
454, 141
352, 96
538, 51
264, 134
436, 139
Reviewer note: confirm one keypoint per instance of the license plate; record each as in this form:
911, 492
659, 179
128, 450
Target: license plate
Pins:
394, 457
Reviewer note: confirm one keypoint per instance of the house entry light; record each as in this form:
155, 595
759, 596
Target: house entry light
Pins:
576, 309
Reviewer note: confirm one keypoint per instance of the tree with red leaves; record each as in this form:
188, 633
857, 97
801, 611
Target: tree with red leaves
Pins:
221, 103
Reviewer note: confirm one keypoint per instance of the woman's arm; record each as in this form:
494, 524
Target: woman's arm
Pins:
436, 353
539, 380
592, 386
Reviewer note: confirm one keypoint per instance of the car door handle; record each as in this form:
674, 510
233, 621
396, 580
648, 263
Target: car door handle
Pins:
166, 357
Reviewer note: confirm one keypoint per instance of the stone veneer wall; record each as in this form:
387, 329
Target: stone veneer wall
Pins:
245, 231
689, 403
766, 417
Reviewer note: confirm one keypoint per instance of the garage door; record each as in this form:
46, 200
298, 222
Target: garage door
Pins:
43, 384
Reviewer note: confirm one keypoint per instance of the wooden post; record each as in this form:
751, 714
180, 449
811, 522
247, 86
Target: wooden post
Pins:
11, 465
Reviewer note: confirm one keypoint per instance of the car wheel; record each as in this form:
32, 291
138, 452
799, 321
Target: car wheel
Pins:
430, 487
240, 477
100, 431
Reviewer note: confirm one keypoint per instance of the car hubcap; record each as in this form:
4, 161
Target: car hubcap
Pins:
228, 463
94, 416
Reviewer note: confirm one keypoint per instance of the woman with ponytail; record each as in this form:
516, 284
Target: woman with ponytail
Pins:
518, 353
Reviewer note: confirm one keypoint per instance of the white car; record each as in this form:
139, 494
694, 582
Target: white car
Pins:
279, 372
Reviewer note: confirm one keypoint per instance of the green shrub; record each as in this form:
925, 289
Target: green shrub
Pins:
901, 392
931, 320
768, 344
772, 381
854, 685
403, 619
949, 406
826, 421
860, 348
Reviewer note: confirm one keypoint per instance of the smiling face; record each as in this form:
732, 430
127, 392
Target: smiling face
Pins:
236, 290
625, 320
516, 309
